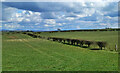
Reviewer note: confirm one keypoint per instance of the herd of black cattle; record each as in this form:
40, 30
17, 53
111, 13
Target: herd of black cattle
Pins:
80, 42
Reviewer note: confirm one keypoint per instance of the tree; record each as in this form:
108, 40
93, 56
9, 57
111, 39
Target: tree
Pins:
59, 29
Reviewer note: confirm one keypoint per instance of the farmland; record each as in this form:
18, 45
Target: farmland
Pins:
21, 52
111, 37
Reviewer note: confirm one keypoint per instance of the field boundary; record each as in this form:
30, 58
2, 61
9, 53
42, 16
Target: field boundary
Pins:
101, 44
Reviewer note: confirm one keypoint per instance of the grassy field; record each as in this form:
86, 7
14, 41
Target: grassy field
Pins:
0, 51
111, 37
21, 52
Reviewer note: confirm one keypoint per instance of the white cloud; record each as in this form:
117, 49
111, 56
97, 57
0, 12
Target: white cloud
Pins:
30, 12
2, 0
63, 23
103, 24
23, 11
59, 24
78, 27
36, 23
50, 21
83, 4
7, 12
70, 18
37, 13
18, 14
92, 4
1, 21
108, 17
46, 25
27, 13
27, 20
25, 16
81, 15
12, 26
20, 19
85, 14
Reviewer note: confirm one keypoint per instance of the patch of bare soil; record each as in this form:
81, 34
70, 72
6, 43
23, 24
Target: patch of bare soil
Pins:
12, 37
19, 40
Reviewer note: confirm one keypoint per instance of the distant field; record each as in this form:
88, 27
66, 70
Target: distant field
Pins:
21, 52
111, 37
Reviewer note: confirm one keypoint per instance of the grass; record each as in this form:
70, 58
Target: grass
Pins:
23, 53
111, 37
0, 52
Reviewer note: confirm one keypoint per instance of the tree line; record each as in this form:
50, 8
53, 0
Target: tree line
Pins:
80, 42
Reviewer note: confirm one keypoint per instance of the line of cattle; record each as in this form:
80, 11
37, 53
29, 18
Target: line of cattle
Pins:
80, 42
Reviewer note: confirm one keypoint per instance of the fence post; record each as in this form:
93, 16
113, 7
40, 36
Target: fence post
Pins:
116, 47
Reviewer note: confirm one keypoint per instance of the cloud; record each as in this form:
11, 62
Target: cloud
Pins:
60, 24
70, 18
78, 27
48, 15
112, 14
50, 21
12, 26
46, 25
93, 17
103, 24
39, 6
7, 12
64, 15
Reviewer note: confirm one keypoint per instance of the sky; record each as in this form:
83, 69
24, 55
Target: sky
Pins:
49, 16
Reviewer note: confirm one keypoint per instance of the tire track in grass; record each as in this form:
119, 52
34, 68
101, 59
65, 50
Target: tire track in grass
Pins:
37, 50
73, 59
28, 44
59, 54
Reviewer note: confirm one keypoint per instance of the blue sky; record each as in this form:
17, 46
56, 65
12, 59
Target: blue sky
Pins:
49, 16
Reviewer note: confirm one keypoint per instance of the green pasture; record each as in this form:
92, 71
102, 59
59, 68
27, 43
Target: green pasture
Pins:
111, 37
21, 52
